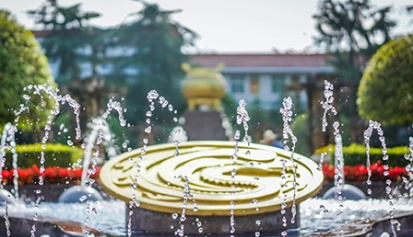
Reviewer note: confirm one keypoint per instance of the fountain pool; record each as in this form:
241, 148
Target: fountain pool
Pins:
318, 217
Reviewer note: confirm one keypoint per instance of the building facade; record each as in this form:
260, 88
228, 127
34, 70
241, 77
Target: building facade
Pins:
265, 79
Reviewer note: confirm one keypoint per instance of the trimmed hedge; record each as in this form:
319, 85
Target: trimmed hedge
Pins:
355, 154
22, 63
386, 88
55, 155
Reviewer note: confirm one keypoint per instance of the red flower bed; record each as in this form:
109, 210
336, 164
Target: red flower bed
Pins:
359, 173
51, 175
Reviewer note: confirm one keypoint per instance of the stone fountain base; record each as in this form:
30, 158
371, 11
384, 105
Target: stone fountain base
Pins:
144, 222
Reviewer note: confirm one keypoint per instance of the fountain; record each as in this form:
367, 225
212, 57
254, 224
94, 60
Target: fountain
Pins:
207, 167
209, 181
341, 190
8, 137
193, 190
99, 133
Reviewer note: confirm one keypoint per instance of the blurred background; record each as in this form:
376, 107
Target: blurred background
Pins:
269, 50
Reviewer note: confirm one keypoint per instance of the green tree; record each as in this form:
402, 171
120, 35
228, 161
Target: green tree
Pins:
351, 30
69, 40
22, 63
386, 88
153, 59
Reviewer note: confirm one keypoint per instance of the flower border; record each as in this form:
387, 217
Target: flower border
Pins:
51, 175
359, 173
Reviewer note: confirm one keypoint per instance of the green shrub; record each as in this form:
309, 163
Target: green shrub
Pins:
355, 154
22, 63
55, 155
385, 93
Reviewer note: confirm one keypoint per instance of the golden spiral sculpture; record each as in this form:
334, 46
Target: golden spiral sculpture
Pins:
263, 180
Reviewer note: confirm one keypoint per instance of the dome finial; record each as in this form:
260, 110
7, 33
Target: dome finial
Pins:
203, 87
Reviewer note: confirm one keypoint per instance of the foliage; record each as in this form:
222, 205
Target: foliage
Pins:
153, 59
51, 175
359, 173
355, 154
144, 54
55, 155
351, 30
350, 27
386, 89
69, 39
22, 63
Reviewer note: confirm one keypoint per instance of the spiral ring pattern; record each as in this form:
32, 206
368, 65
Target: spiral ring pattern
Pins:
263, 180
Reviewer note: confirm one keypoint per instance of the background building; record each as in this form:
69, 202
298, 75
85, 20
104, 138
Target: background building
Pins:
267, 78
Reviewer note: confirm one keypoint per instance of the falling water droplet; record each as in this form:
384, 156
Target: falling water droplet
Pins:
145, 141
237, 135
133, 186
323, 208
83, 198
152, 95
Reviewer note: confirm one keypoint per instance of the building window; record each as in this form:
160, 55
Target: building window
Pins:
237, 83
254, 84
277, 83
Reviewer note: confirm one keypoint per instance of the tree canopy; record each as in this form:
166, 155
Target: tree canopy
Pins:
386, 88
352, 30
152, 58
22, 63
143, 54
68, 38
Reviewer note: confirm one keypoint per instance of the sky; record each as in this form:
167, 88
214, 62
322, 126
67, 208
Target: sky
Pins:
224, 26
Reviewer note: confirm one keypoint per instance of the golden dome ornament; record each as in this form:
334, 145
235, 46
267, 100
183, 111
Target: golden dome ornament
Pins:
203, 86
